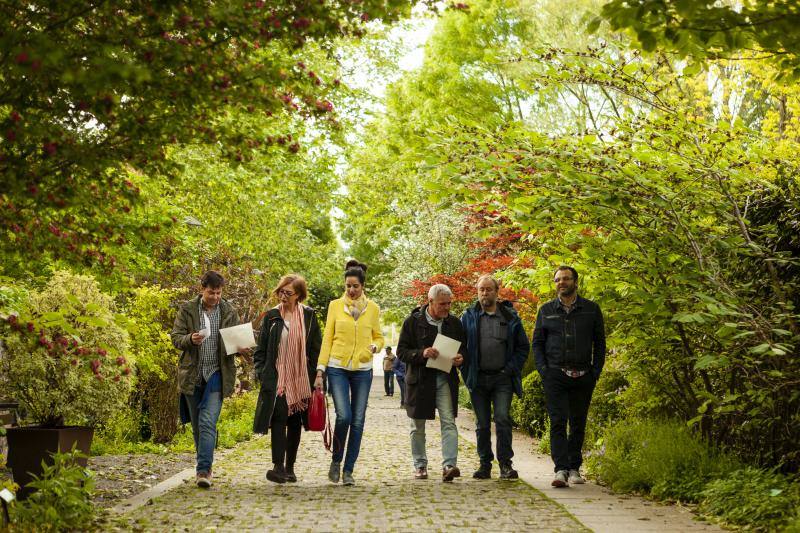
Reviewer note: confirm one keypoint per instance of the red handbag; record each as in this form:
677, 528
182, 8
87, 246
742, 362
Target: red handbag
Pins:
318, 411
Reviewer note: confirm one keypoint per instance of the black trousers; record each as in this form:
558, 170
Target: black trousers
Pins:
568, 402
388, 382
285, 433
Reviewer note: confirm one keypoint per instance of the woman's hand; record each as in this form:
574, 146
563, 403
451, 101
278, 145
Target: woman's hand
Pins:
318, 381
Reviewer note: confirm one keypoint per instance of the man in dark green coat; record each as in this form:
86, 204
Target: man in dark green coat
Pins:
206, 374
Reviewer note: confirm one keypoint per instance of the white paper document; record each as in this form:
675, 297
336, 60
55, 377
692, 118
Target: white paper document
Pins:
236, 337
206, 331
448, 350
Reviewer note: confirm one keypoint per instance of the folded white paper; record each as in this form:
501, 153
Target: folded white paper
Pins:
448, 350
206, 331
237, 337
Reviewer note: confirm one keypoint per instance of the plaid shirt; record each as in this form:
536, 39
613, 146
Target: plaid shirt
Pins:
209, 348
568, 308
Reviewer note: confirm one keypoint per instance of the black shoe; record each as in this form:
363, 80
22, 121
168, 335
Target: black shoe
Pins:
277, 474
508, 472
290, 477
484, 472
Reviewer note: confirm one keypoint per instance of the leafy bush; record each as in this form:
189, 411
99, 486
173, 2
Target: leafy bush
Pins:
62, 500
149, 321
544, 441
64, 356
659, 458
464, 399
763, 500
529, 413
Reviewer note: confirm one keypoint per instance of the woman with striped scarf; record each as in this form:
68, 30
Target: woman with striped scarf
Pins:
285, 362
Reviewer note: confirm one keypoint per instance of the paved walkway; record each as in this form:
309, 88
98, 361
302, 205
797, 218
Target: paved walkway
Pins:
385, 497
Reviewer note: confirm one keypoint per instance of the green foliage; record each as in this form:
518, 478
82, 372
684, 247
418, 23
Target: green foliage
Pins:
64, 356
529, 413
658, 458
62, 498
544, 441
464, 399
86, 105
760, 499
703, 29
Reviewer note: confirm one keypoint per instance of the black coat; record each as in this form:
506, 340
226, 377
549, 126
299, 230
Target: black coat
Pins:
266, 355
416, 335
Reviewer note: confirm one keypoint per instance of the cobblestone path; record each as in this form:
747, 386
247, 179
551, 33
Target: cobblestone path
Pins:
385, 497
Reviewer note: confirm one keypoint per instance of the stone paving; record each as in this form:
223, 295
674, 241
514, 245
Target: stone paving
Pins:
385, 497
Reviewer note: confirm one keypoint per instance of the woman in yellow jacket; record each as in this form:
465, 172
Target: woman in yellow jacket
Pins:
352, 335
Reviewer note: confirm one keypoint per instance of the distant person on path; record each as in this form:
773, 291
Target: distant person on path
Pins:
497, 348
430, 389
569, 347
352, 335
388, 372
205, 373
399, 368
285, 363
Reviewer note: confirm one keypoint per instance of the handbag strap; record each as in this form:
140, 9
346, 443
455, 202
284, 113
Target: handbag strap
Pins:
327, 433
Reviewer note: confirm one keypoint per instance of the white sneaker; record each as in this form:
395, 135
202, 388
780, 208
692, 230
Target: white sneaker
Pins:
575, 477
560, 479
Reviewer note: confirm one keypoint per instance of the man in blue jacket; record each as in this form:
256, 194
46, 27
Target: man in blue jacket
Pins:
569, 348
497, 348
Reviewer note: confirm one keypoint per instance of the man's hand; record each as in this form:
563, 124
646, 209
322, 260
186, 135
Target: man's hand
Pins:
458, 360
245, 351
197, 339
430, 353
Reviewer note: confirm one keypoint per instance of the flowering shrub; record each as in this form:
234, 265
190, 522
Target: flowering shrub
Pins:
63, 357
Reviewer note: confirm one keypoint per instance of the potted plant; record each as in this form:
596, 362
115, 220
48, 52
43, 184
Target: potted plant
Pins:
63, 359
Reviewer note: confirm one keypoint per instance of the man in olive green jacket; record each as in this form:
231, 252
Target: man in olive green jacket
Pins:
206, 374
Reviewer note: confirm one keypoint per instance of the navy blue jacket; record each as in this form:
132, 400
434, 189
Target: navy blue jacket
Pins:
516, 354
576, 341
399, 368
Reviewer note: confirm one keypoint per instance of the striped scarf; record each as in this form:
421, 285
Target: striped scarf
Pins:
291, 363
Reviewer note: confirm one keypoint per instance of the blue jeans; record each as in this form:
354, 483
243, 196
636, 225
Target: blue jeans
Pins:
204, 427
447, 422
493, 390
350, 391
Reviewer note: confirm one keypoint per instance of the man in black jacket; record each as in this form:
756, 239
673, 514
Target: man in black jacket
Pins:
569, 348
429, 389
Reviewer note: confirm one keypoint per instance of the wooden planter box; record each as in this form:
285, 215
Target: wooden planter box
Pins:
29, 446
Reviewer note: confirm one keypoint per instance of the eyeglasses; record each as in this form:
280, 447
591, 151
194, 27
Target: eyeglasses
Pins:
286, 293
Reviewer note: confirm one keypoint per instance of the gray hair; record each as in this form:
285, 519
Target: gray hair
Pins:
438, 290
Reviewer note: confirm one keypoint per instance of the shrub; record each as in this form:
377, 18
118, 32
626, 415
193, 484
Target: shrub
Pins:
763, 500
544, 441
464, 399
62, 500
63, 358
607, 405
529, 413
149, 321
659, 458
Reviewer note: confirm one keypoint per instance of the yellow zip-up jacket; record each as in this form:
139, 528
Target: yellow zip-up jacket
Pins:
346, 341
